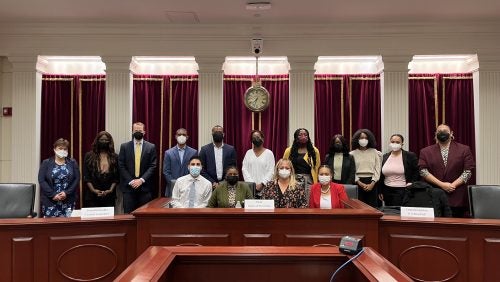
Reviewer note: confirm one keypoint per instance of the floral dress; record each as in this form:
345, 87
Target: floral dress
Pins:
294, 197
60, 178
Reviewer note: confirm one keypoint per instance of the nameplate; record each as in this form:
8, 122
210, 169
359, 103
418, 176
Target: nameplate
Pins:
97, 212
417, 212
259, 205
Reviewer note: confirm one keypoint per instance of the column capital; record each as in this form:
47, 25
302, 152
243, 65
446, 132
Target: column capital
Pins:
396, 63
210, 64
23, 63
302, 63
117, 63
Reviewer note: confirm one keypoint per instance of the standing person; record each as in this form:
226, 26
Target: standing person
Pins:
258, 164
448, 165
339, 160
368, 165
192, 190
305, 159
176, 160
58, 178
327, 194
284, 189
100, 172
230, 192
216, 157
399, 170
137, 166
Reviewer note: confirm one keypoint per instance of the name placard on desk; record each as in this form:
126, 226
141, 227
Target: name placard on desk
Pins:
417, 212
256, 205
97, 212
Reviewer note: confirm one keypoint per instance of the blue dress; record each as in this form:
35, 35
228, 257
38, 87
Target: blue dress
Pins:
60, 179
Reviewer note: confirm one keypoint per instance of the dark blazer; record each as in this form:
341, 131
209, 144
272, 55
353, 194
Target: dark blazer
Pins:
410, 164
348, 168
47, 184
207, 157
126, 165
172, 166
459, 159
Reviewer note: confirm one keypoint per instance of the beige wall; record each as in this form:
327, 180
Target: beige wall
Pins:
397, 43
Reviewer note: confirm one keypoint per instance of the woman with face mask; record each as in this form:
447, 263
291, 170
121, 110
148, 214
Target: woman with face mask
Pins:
284, 189
339, 160
368, 164
326, 194
258, 164
230, 192
58, 178
399, 170
100, 172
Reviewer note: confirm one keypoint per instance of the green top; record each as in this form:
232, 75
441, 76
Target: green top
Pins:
220, 196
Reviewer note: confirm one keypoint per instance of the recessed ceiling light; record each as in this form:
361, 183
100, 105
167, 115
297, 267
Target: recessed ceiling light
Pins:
258, 6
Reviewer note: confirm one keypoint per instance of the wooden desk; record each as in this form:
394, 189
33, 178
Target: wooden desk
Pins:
243, 264
62, 249
160, 226
442, 249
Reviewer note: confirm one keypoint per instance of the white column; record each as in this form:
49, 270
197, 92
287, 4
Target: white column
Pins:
118, 98
26, 108
210, 99
394, 87
301, 106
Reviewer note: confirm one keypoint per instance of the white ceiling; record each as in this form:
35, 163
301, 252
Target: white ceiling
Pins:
234, 12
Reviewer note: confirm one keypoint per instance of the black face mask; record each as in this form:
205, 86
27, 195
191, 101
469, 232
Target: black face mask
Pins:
102, 145
138, 135
257, 142
338, 148
217, 136
442, 136
232, 179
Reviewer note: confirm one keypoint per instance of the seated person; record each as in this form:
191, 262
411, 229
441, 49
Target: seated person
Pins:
327, 194
230, 192
192, 190
421, 194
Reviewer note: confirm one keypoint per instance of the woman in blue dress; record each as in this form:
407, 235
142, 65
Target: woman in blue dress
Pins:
58, 178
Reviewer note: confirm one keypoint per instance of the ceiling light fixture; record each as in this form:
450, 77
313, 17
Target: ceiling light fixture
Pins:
258, 6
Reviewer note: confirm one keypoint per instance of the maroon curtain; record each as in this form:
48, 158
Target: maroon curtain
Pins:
164, 104
73, 107
344, 104
239, 121
440, 98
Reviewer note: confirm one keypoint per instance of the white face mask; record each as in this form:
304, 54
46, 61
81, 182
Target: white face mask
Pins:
181, 139
61, 153
324, 179
395, 147
363, 142
284, 173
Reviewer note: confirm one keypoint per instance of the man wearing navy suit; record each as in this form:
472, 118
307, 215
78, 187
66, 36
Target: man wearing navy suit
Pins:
216, 157
448, 165
137, 165
176, 160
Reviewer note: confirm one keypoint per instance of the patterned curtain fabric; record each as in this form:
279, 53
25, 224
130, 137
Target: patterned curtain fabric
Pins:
239, 121
73, 107
164, 104
344, 104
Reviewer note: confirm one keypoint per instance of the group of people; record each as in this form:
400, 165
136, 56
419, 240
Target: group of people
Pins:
211, 178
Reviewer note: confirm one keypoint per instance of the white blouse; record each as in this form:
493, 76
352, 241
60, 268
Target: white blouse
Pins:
258, 169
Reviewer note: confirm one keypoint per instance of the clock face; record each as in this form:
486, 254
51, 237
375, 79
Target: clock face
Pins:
257, 98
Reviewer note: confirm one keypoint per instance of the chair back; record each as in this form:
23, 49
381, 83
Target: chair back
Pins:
483, 201
351, 191
17, 200
253, 187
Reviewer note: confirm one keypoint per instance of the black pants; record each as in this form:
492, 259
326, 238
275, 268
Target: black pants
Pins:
368, 197
134, 199
393, 196
458, 211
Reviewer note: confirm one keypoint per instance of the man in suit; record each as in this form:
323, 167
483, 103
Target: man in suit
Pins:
448, 165
176, 160
137, 165
216, 157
